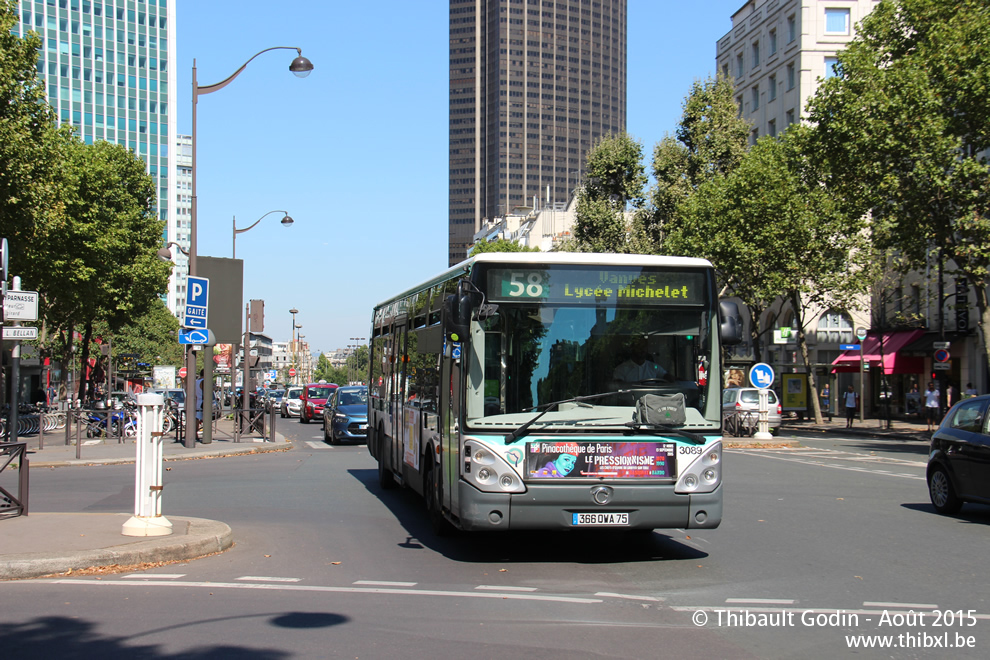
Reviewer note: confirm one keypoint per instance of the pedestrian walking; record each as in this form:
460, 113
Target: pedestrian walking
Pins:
824, 396
931, 406
850, 399
971, 391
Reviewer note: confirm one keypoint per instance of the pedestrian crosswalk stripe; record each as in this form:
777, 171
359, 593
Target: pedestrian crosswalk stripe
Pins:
318, 445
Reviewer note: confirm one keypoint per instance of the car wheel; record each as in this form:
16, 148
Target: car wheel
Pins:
281, 413
302, 418
941, 492
327, 436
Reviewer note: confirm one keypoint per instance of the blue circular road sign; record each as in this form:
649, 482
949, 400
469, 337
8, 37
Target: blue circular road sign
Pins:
761, 375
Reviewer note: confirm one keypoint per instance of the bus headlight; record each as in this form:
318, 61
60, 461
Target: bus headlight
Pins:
704, 474
488, 471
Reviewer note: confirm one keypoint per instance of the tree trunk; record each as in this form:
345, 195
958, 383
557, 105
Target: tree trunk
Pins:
755, 332
983, 305
84, 362
803, 347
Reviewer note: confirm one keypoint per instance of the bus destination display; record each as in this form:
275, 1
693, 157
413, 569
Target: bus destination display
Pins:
558, 285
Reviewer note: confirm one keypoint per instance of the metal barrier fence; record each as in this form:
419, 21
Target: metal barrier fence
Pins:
740, 423
11, 506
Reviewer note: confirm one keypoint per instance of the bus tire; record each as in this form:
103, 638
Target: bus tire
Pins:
385, 479
432, 494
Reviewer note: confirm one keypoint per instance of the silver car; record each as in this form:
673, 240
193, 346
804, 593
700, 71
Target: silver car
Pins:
747, 400
291, 403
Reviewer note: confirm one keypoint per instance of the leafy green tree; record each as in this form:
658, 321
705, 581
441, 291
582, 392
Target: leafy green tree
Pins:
902, 133
99, 260
615, 181
500, 245
771, 231
710, 141
31, 147
152, 336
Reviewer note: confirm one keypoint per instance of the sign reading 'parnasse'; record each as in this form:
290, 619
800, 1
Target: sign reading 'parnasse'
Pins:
609, 286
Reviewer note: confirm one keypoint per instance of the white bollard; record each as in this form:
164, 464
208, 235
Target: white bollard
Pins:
763, 426
148, 519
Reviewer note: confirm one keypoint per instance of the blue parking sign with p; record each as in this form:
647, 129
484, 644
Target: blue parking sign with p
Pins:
197, 301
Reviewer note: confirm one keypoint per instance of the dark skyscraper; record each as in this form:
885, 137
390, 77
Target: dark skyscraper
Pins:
533, 83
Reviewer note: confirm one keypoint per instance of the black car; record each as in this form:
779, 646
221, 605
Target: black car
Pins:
959, 462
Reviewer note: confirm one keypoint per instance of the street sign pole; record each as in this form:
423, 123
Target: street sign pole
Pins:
197, 299
861, 336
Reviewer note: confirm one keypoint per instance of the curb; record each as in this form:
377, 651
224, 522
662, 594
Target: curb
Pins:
218, 453
200, 538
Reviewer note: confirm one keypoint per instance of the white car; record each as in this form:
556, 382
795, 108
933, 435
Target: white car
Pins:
291, 403
747, 400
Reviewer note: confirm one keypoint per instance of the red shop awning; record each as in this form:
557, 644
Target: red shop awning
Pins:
893, 362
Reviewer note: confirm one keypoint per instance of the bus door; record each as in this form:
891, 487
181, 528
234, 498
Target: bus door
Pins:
450, 391
398, 380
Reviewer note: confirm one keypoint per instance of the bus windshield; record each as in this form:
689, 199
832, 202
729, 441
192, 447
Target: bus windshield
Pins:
570, 336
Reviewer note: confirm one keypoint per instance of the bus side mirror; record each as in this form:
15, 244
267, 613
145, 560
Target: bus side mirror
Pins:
455, 325
730, 329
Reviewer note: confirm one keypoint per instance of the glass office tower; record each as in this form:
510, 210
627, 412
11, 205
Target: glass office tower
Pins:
107, 68
532, 85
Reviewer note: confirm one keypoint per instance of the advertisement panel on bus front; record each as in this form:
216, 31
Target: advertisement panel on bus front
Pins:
612, 460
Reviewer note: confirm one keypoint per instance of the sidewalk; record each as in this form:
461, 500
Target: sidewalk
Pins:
109, 451
899, 429
49, 543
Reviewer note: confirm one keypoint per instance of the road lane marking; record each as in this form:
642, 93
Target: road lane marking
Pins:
910, 606
796, 610
609, 594
383, 583
490, 587
494, 595
761, 601
265, 578
318, 445
803, 460
153, 576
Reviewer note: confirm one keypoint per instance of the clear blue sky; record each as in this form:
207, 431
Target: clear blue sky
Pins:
357, 152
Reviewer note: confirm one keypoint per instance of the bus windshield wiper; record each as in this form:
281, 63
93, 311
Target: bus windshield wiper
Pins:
515, 435
693, 437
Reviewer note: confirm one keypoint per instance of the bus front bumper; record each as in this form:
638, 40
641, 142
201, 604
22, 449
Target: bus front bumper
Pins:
551, 506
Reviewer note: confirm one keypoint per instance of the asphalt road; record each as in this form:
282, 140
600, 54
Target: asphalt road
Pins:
817, 543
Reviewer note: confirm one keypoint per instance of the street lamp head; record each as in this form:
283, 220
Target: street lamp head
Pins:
287, 221
301, 66
293, 311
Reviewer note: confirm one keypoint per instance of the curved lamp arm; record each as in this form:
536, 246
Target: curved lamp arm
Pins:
287, 220
166, 255
300, 66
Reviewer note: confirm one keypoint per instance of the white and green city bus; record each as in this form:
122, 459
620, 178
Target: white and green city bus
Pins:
501, 392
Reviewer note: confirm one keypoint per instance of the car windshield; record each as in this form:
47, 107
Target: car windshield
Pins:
319, 392
352, 398
528, 356
293, 394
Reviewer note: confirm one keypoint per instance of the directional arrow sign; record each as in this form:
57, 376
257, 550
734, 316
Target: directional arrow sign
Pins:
197, 300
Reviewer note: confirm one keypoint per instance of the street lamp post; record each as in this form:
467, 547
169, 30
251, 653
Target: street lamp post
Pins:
286, 221
302, 68
354, 353
302, 368
292, 345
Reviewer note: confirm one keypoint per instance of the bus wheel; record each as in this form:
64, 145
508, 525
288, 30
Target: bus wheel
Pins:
441, 526
385, 480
